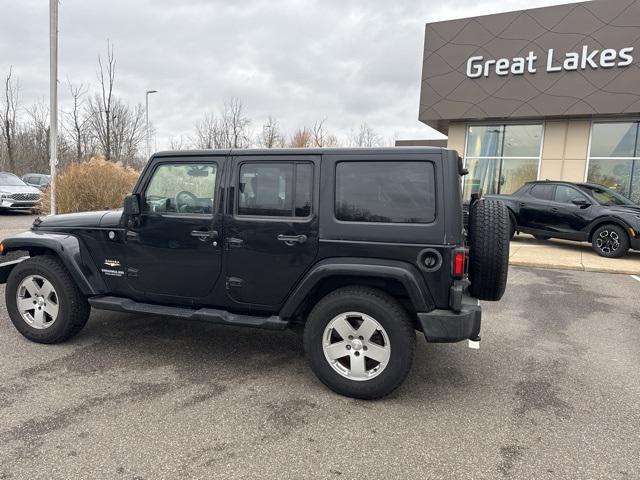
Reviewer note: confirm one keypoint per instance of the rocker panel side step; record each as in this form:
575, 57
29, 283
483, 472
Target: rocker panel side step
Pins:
126, 305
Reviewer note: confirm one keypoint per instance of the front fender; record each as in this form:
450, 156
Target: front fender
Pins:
70, 252
403, 272
606, 219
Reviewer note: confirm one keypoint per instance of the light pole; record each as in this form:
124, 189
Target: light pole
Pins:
53, 98
146, 101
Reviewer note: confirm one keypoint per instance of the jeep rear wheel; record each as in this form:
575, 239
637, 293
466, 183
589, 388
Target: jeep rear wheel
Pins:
490, 230
43, 301
359, 342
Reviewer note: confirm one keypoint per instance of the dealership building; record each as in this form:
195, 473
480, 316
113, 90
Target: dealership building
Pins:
547, 93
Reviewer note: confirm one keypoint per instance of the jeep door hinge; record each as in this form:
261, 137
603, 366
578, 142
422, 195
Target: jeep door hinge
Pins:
234, 282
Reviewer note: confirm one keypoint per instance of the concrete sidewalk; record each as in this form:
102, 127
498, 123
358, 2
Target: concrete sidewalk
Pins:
527, 251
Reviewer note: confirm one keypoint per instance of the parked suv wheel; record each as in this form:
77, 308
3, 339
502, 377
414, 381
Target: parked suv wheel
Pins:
43, 301
610, 241
490, 230
360, 342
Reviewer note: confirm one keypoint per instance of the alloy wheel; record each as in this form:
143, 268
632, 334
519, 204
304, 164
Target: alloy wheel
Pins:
356, 346
608, 241
37, 302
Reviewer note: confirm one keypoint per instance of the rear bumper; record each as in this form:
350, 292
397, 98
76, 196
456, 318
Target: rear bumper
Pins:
446, 326
635, 243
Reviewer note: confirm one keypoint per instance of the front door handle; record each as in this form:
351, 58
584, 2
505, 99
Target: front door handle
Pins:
522, 204
292, 239
204, 235
554, 210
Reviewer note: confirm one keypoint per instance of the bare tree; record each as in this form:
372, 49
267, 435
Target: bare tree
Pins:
365, 136
301, 138
34, 138
8, 120
320, 136
178, 143
207, 133
75, 121
235, 125
101, 105
271, 136
127, 131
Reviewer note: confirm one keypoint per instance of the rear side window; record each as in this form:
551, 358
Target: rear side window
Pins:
275, 189
542, 192
389, 192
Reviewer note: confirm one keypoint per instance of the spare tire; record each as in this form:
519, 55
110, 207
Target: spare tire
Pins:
489, 232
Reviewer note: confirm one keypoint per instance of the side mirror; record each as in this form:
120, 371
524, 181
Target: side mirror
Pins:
132, 204
580, 202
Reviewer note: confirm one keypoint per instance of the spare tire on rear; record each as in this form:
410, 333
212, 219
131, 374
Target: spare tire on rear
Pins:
489, 232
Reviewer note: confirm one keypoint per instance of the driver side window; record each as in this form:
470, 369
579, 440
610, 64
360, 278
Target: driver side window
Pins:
566, 194
182, 188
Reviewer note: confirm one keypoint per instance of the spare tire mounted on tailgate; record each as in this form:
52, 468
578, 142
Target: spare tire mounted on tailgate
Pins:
489, 233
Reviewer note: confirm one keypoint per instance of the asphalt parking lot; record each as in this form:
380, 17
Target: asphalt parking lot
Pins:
553, 393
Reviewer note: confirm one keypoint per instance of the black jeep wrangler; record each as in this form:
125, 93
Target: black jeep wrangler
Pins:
362, 246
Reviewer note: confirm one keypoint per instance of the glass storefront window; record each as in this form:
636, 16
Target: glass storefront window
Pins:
614, 139
501, 158
614, 159
485, 141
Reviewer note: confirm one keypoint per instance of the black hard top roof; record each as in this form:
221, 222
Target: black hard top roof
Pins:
298, 151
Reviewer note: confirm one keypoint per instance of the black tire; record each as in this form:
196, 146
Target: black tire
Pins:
73, 307
489, 249
389, 314
541, 237
512, 228
610, 241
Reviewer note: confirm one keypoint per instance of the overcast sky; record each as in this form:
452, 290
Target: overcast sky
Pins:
298, 60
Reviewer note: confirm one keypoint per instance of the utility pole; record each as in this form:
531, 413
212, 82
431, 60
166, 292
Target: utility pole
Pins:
53, 94
146, 101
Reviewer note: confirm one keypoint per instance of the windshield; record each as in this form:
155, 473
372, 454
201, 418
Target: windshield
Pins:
606, 197
9, 180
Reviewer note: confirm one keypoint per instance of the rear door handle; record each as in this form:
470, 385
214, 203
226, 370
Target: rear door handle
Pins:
522, 204
292, 239
554, 210
204, 235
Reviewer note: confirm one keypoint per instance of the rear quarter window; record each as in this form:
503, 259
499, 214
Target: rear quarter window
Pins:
542, 191
385, 192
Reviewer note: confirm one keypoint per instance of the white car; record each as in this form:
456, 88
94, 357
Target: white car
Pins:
17, 195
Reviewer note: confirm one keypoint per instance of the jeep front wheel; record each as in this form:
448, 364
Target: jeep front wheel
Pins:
360, 342
44, 303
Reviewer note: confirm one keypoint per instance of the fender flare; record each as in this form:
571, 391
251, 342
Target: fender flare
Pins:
68, 249
405, 273
512, 216
603, 220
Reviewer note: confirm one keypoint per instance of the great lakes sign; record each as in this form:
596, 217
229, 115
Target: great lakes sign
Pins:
572, 60
584, 59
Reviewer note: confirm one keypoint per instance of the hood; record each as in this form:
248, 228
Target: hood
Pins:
104, 218
19, 189
634, 209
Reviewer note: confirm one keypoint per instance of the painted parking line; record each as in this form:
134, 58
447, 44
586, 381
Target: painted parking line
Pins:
636, 277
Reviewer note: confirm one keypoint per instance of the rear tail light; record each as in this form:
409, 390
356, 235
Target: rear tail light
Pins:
459, 263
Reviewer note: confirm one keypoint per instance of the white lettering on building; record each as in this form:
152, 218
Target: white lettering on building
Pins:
584, 59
